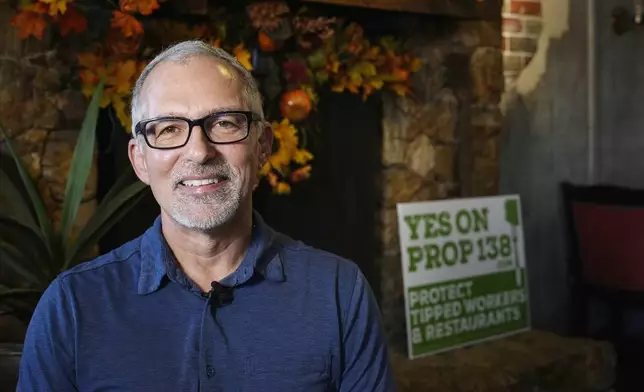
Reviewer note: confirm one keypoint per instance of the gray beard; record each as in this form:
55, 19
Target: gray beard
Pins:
207, 212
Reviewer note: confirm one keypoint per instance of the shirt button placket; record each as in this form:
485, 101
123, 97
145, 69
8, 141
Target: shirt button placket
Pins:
210, 371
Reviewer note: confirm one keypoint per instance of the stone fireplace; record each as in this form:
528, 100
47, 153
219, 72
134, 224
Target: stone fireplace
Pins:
441, 143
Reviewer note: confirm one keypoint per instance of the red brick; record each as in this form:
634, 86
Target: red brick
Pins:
525, 8
512, 25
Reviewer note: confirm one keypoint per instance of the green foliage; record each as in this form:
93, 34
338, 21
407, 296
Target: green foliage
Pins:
30, 249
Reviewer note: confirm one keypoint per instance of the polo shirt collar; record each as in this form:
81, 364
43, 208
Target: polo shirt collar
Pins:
158, 265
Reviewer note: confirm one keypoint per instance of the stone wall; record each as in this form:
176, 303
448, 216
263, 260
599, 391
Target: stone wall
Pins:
42, 110
442, 144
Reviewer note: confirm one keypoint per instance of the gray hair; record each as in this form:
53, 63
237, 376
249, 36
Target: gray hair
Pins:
182, 52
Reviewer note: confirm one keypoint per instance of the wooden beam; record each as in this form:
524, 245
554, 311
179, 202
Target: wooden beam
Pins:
478, 9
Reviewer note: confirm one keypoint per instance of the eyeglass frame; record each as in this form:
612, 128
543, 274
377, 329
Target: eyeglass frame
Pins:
251, 117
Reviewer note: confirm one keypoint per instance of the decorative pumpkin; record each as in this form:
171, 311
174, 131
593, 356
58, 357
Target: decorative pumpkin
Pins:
295, 105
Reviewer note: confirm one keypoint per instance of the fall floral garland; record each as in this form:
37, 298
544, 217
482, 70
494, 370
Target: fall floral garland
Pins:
311, 51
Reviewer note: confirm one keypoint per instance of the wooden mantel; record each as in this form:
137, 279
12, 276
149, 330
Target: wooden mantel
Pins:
477, 9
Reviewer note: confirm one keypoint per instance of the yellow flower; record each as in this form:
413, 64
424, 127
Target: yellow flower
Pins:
283, 188
243, 56
287, 140
265, 169
280, 159
302, 156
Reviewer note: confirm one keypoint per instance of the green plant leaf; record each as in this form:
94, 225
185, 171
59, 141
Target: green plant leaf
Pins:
11, 257
81, 165
108, 213
12, 203
34, 196
19, 292
38, 258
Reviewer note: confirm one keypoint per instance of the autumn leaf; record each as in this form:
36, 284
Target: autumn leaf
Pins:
94, 69
333, 65
243, 56
148, 6
144, 7
72, 21
338, 87
400, 89
370, 86
272, 179
29, 23
120, 106
127, 23
89, 60
56, 6
215, 43
372, 53
300, 174
37, 7
122, 76
310, 91
415, 64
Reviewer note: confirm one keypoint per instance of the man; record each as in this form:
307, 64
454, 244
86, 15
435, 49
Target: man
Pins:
210, 298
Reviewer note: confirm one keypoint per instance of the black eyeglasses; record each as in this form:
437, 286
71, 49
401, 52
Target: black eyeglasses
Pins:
166, 133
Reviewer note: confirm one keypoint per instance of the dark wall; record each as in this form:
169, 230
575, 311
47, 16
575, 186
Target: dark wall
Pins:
545, 142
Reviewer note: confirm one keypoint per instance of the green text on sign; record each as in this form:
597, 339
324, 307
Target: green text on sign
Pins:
450, 314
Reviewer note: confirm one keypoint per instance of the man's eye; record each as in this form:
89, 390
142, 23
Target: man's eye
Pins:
167, 130
225, 124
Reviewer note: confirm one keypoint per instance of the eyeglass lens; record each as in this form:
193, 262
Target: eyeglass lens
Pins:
222, 128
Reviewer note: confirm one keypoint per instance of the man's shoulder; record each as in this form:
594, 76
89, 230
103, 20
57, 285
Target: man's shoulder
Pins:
299, 256
104, 265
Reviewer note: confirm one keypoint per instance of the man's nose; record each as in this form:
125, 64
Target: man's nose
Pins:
199, 148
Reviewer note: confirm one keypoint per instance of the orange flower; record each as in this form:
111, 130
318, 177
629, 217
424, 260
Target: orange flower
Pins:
127, 23
144, 7
72, 21
29, 23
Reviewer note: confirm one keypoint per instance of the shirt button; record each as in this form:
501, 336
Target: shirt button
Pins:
210, 371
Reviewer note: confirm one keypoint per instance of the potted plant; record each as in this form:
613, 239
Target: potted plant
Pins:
31, 250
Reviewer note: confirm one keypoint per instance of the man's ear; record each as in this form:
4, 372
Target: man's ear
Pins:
137, 159
266, 139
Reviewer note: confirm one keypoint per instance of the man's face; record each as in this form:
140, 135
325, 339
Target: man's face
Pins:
181, 178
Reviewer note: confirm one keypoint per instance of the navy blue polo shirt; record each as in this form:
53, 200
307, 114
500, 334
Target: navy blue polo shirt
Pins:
300, 320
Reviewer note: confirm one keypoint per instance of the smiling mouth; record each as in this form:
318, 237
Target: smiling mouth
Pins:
202, 182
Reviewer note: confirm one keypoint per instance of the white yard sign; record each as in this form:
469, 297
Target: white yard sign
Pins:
464, 272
